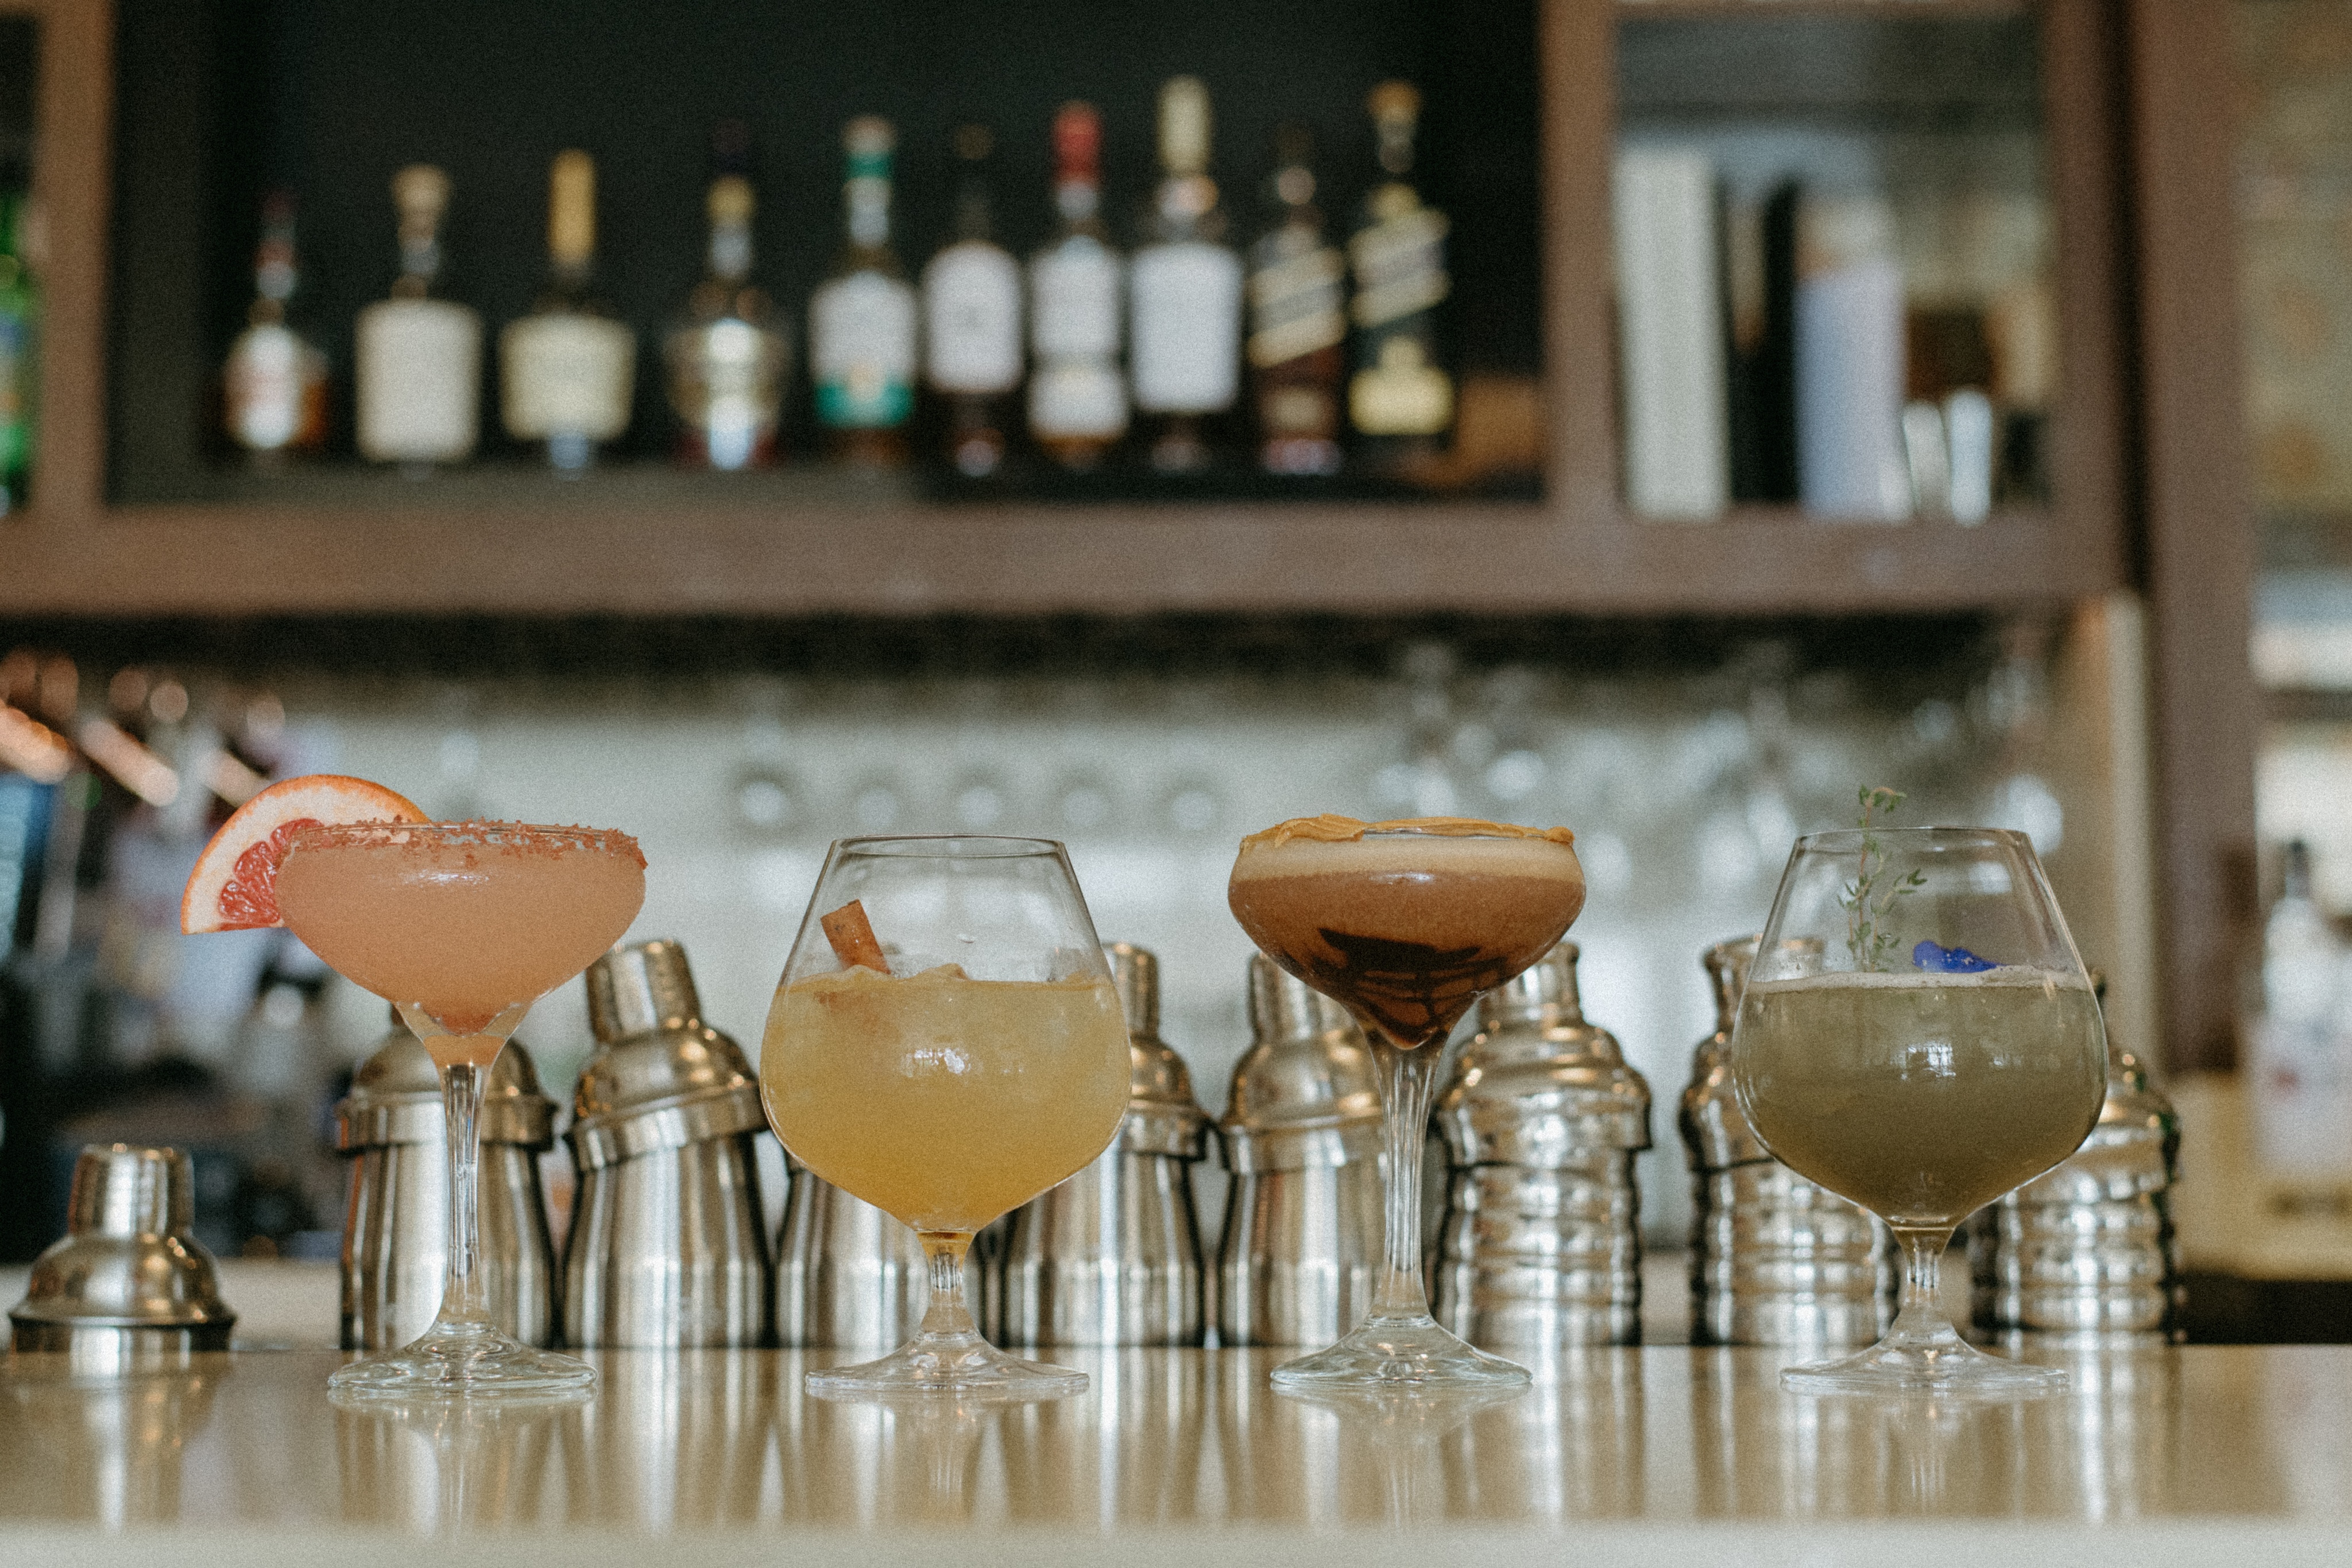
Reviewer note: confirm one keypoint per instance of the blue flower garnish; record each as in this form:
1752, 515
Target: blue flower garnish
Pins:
1938, 959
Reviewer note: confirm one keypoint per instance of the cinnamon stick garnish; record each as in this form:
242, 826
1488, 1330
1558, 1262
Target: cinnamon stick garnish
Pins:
852, 935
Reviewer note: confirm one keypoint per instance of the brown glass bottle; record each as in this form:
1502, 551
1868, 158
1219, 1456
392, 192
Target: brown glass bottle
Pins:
1298, 321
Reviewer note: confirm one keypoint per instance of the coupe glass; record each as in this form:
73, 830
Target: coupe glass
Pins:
946, 1044
1405, 925
461, 925
1918, 1035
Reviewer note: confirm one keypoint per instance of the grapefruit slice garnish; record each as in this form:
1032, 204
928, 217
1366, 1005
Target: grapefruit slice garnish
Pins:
234, 886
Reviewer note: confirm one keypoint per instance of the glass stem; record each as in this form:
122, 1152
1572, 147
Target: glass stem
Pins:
948, 1315
1921, 1316
1406, 1078
461, 1103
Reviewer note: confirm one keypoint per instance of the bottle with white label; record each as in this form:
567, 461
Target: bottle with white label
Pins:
418, 359
862, 318
1299, 321
971, 322
1184, 295
568, 371
1077, 396
1400, 400
726, 357
274, 387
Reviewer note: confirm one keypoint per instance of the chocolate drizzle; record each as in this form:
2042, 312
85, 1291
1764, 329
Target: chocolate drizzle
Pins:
1412, 991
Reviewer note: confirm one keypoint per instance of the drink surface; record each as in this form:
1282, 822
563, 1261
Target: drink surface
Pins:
1407, 928
1921, 1097
462, 929
944, 1100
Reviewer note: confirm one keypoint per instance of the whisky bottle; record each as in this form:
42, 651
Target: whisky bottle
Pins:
1399, 400
275, 384
20, 305
971, 321
862, 318
418, 359
1298, 322
1185, 307
568, 369
726, 354
1077, 399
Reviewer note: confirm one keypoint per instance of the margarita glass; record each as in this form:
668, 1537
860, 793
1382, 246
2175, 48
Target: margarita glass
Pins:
1405, 925
461, 925
946, 1043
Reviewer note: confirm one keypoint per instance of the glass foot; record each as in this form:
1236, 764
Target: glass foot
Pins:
1404, 1355
1941, 1363
954, 1364
474, 1361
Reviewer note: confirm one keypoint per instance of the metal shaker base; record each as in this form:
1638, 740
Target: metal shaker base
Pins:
1401, 1355
111, 1349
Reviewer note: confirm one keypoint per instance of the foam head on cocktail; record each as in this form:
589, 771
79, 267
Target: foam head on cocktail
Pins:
1405, 923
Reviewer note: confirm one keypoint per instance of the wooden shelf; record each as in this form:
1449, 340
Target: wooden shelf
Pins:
914, 558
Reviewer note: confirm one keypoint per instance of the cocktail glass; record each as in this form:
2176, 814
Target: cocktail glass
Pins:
461, 925
946, 1044
1918, 1035
1405, 925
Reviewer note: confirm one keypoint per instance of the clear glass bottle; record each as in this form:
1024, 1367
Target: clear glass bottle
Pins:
862, 318
971, 321
274, 387
727, 353
1298, 323
1077, 399
1400, 400
417, 359
568, 369
20, 317
1185, 295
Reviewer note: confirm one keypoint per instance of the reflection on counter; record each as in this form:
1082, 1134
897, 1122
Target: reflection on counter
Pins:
710, 1439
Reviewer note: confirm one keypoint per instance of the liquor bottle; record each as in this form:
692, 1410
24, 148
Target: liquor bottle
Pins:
1298, 323
727, 354
971, 321
20, 308
1185, 307
275, 384
862, 318
568, 369
418, 359
1399, 400
1077, 399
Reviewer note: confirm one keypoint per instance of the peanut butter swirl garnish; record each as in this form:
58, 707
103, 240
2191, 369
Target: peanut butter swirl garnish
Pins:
1332, 829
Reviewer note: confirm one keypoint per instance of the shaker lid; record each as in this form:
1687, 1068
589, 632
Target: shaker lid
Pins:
1163, 1117
1727, 972
1540, 1086
395, 1098
663, 1079
127, 1258
1308, 1071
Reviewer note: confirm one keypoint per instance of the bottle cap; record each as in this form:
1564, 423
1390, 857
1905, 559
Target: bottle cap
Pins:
869, 139
421, 192
730, 200
572, 208
1078, 143
1184, 134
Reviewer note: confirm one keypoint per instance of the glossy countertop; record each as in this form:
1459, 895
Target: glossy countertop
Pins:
1666, 1454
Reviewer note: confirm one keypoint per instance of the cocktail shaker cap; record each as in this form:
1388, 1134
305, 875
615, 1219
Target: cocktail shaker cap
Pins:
663, 1077
127, 1261
1303, 1094
1163, 1117
1539, 1086
395, 1098
1727, 964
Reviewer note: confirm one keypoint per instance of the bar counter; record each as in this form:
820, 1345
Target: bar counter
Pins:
1665, 1455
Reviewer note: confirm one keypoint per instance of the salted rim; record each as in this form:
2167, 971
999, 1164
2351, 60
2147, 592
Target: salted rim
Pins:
1333, 829
528, 837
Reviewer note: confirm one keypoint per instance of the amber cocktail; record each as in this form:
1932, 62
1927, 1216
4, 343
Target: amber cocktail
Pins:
1404, 924
462, 925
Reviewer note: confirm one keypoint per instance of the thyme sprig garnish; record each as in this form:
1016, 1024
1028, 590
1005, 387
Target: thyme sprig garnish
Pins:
1867, 905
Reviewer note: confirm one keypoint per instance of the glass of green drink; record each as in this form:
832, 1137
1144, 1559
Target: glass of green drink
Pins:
1918, 1035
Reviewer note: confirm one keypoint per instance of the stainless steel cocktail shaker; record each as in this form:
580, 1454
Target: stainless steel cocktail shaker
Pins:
2088, 1248
1301, 1251
129, 1289
1775, 1259
396, 1226
1112, 1256
850, 1276
1541, 1245
669, 1244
